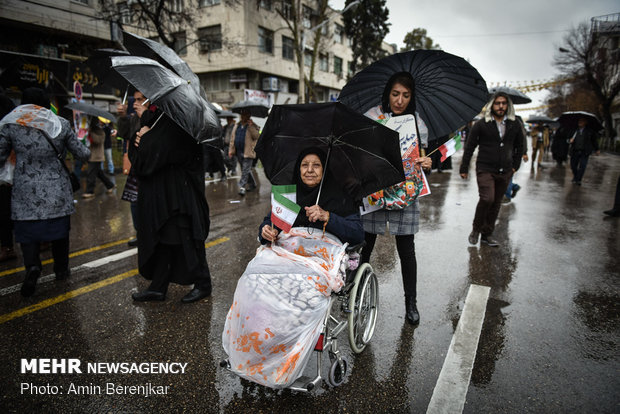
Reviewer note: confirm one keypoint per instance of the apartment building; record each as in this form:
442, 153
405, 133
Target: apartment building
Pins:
247, 50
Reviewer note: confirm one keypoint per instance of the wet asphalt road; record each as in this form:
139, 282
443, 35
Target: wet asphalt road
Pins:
549, 342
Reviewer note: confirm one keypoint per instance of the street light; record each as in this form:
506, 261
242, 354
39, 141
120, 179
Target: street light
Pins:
302, 46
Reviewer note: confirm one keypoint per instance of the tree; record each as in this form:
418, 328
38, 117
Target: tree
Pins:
587, 54
366, 27
166, 18
570, 96
418, 39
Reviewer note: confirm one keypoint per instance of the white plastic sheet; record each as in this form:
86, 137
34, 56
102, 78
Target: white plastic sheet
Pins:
279, 306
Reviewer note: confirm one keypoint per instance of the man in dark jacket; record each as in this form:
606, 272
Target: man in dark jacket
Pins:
582, 143
500, 141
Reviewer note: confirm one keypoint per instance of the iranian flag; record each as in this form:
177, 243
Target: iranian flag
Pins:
450, 147
283, 208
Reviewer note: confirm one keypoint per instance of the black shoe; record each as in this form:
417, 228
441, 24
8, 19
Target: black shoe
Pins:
411, 311
490, 241
63, 274
30, 281
614, 212
252, 188
133, 242
196, 294
148, 296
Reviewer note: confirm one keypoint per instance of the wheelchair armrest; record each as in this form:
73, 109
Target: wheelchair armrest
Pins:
355, 248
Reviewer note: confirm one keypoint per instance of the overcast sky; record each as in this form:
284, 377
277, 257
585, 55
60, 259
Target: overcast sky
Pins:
506, 41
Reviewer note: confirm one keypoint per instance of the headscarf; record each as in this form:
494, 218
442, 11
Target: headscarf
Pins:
332, 197
510, 111
34, 116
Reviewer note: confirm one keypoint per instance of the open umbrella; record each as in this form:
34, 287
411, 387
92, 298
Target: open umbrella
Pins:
172, 94
570, 119
539, 119
516, 96
225, 114
91, 109
100, 63
362, 154
449, 91
256, 108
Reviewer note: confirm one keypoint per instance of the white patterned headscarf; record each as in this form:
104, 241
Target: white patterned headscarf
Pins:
34, 116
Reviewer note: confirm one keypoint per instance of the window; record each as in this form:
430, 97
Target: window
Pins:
177, 6
125, 13
337, 66
265, 40
210, 38
307, 58
205, 3
338, 32
287, 9
266, 4
180, 43
288, 50
306, 17
350, 69
323, 62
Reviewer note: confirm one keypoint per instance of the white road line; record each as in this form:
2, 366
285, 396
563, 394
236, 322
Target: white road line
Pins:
453, 382
89, 265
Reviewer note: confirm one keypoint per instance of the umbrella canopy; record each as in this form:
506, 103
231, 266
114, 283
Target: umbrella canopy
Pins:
362, 154
516, 96
256, 108
171, 93
141, 46
449, 92
570, 119
91, 109
539, 119
225, 114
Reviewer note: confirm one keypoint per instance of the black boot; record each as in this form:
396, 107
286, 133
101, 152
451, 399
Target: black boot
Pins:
30, 281
411, 313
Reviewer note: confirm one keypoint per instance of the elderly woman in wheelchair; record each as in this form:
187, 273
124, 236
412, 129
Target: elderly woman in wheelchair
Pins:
283, 300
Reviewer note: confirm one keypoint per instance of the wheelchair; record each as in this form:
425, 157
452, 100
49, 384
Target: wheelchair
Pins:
353, 308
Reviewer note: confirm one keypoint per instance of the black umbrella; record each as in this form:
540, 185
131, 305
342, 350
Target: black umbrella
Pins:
225, 114
516, 96
90, 109
256, 108
171, 93
539, 119
570, 119
449, 91
363, 155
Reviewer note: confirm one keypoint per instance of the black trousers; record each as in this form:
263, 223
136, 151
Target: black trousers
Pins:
406, 252
60, 252
169, 258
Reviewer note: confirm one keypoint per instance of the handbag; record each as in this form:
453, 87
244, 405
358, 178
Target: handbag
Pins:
75, 182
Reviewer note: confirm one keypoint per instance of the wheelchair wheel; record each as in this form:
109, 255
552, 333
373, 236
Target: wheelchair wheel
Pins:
363, 304
337, 372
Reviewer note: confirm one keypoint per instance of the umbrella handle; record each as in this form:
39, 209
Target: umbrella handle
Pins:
329, 150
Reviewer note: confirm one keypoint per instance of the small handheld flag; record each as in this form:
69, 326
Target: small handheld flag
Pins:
283, 208
450, 147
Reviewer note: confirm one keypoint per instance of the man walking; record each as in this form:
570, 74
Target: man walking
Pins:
500, 139
583, 142
243, 140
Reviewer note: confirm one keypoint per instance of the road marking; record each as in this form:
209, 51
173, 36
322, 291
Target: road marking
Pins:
74, 254
453, 382
61, 298
85, 289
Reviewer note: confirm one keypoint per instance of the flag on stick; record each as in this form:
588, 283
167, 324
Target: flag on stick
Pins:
283, 208
450, 147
